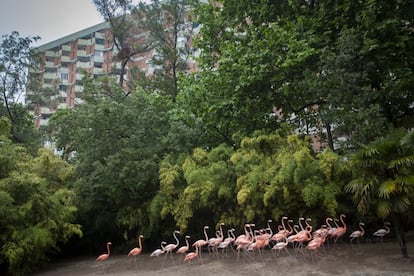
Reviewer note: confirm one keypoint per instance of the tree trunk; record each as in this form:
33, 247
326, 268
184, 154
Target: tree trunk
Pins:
399, 230
329, 135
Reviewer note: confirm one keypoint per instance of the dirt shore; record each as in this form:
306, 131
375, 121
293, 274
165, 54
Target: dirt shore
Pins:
365, 259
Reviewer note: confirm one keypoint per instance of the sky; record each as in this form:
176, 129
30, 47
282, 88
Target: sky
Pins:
49, 19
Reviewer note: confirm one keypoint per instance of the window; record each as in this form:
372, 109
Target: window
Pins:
99, 53
63, 88
64, 76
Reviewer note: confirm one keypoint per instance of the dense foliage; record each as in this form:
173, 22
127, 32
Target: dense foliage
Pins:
219, 149
37, 210
298, 108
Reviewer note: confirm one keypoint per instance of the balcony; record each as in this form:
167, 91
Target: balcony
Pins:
78, 88
63, 94
51, 54
50, 76
98, 59
99, 35
64, 70
50, 65
84, 42
98, 71
83, 65
99, 47
67, 48
79, 77
65, 59
82, 53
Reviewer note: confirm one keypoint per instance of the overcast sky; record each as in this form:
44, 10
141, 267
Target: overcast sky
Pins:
49, 19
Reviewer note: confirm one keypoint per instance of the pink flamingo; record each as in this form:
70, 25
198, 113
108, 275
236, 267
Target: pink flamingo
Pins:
185, 248
201, 243
192, 255
382, 232
170, 247
358, 233
137, 250
281, 246
215, 242
228, 241
340, 231
103, 257
159, 251
316, 243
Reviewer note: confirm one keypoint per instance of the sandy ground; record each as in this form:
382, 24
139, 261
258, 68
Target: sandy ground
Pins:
364, 259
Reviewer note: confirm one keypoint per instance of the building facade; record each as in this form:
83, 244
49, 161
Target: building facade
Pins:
64, 62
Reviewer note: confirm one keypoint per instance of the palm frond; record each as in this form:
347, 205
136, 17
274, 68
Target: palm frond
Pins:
404, 162
384, 208
401, 204
387, 188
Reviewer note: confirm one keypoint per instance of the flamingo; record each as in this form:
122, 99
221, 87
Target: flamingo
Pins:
316, 243
200, 243
159, 251
185, 248
228, 241
192, 255
382, 232
340, 231
137, 250
103, 257
215, 242
358, 233
281, 246
243, 241
170, 247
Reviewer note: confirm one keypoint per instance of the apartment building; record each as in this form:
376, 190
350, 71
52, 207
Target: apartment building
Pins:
64, 61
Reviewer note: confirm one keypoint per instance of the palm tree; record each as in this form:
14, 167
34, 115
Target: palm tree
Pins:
383, 178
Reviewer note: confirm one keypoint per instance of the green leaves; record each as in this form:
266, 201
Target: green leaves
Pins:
37, 208
269, 175
383, 174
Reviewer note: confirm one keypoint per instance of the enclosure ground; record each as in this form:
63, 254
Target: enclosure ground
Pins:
364, 259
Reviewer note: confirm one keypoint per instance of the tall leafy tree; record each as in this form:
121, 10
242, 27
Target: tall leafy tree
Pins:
312, 61
170, 26
17, 57
38, 211
270, 176
117, 13
118, 142
383, 179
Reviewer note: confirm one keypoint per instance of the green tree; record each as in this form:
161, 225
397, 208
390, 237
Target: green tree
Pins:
37, 211
117, 143
17, 57
170, 26
383, 179
321, 63
270, 176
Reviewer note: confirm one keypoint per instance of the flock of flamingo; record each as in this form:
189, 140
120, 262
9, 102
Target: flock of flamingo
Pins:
301, 237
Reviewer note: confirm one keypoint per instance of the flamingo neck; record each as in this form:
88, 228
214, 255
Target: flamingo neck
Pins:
205, 234
290, 227
283, 223
300, 223
176, 238
342, 220
327, 222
